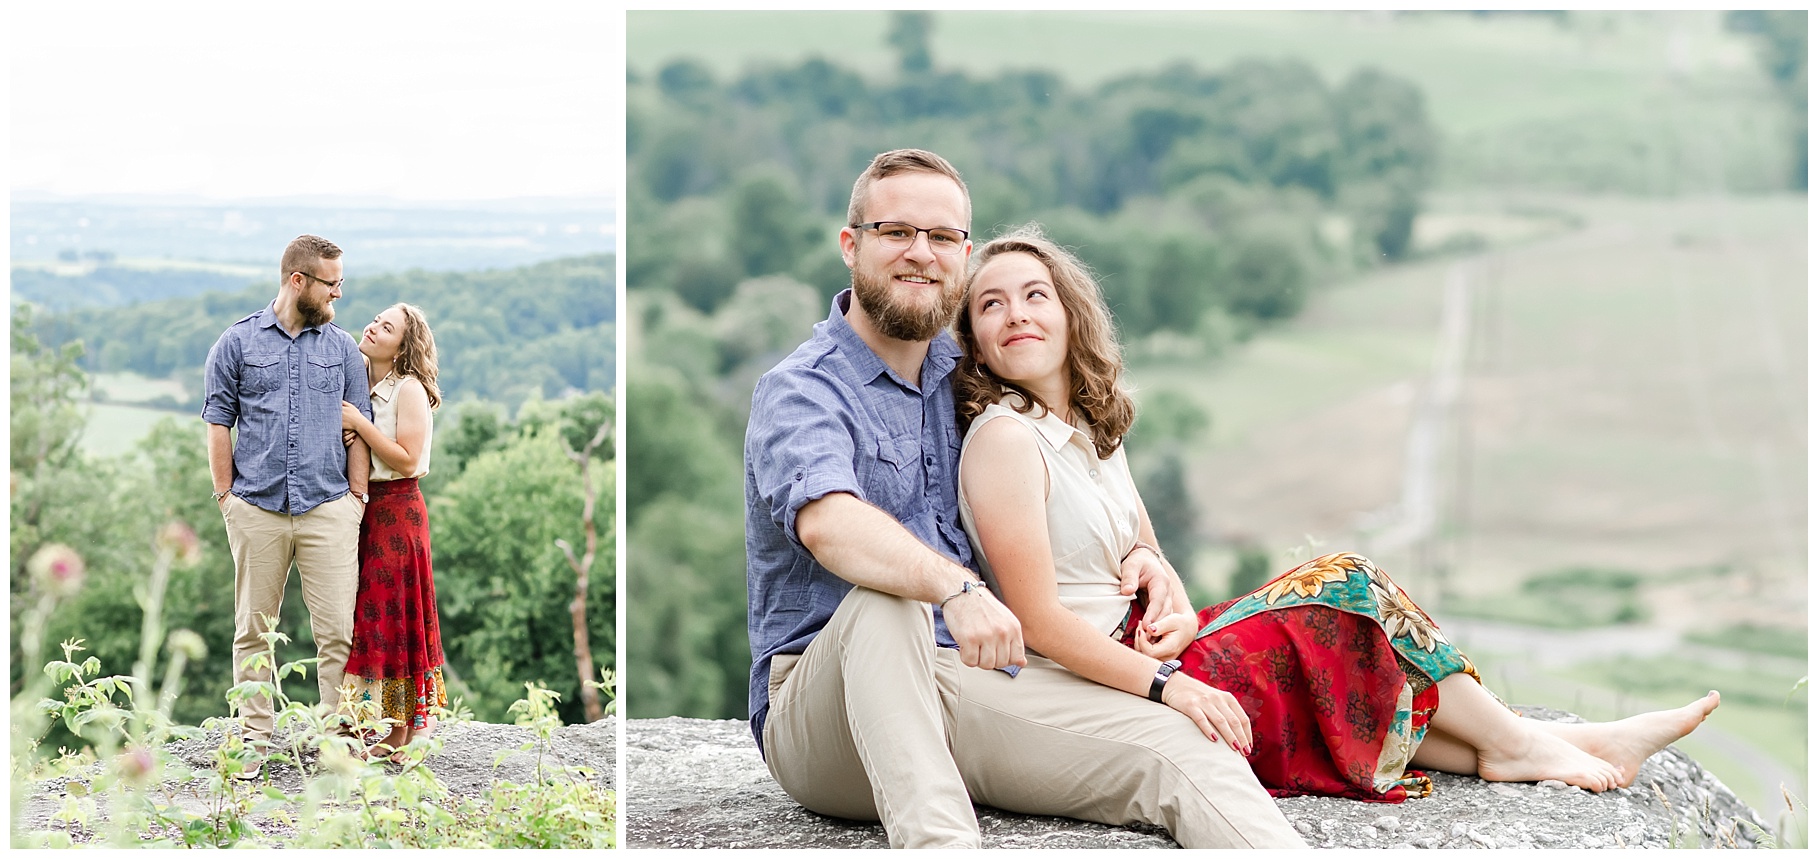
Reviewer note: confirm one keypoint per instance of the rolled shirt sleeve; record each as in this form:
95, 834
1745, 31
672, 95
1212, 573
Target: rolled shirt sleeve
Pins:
221, 381
802, 448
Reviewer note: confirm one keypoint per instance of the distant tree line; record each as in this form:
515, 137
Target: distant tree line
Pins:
1208, 203
505, 335
1780, 41
114, 285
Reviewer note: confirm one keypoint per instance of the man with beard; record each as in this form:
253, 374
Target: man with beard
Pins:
884, 678
288, 489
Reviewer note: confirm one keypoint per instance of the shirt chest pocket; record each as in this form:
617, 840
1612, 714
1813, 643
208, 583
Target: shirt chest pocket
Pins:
897, 477
261, 373
325, 374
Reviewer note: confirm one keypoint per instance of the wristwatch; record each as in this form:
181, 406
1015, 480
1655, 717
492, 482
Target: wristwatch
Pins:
1162, 674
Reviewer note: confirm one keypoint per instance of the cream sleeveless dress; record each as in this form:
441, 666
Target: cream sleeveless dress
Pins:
1092, 510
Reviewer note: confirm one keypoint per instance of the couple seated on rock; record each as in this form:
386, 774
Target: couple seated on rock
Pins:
1069, 675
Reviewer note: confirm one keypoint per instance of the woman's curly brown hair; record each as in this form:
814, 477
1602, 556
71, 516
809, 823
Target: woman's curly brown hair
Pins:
417, 353
1095, 361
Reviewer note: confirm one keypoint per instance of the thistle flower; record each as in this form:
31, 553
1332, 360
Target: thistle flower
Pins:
180, 540
57, 570
135, 764
188, 644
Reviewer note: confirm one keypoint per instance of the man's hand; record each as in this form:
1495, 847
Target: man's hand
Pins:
1143, 570
989, 636
1173, 632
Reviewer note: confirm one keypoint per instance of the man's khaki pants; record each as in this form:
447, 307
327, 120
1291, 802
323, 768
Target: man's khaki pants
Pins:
874, 722
324, 543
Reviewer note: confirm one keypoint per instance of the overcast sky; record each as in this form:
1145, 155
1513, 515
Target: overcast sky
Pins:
446, 101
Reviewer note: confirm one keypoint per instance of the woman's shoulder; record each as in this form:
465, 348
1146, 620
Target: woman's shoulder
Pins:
991, 436
410, 389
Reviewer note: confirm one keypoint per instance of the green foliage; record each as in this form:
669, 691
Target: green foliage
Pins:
909, 33
1169, 415
1780, 38
347, 800
686, 624
112, 285
503, 335
672, 441
684, 510
1171, 509
502, 584
46, 384
748, 177
1254, 569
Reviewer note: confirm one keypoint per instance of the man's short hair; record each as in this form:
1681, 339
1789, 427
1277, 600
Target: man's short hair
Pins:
897, 161
303, 252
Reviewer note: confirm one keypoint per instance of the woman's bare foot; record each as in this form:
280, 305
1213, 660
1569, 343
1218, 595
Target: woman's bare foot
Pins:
1628, 742
1534, 755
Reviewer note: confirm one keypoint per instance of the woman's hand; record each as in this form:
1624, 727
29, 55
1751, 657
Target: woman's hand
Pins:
1168, 637
1215, 711
351, 419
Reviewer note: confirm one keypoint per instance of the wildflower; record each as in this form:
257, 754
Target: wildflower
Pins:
188, 644
180, 540
135, 765
57, 570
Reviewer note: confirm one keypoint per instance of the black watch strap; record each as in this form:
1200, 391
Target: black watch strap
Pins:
1162, 674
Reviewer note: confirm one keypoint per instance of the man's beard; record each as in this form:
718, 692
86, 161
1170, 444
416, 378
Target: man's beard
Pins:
898, 320
313, 312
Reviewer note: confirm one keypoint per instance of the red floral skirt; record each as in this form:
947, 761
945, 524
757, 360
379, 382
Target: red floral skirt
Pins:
397, 638
1338, 697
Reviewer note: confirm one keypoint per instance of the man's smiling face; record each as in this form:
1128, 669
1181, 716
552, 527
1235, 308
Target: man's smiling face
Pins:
910, 293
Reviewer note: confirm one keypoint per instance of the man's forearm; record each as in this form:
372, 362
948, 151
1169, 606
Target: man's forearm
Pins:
221, 457
359, 467
870, 548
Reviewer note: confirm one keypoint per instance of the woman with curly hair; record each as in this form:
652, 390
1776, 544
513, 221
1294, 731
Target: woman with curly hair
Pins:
1329, 679
397, 640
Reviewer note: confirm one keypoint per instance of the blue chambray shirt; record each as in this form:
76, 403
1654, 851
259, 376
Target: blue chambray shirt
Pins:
832, 417
285, 395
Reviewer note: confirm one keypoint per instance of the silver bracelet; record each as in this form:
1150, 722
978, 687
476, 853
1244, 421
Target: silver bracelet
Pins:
966, 587
1150, 546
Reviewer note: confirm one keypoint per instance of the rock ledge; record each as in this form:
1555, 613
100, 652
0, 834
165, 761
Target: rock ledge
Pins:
692, 783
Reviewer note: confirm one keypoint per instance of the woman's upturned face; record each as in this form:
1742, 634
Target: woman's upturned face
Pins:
1018, 323
382, 339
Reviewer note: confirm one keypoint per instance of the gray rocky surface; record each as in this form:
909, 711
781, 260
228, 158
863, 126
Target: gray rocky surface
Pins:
701, 784
465, 765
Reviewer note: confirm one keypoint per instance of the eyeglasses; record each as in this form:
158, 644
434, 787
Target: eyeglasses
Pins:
898, 235
331, 284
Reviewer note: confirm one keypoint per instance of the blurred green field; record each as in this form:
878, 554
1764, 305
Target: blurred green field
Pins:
1600, 102
1634, 398
114, 430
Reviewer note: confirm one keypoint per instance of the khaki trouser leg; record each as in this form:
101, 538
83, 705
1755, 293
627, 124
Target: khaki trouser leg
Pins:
328, 563
262, 543
856, 728
1052, 742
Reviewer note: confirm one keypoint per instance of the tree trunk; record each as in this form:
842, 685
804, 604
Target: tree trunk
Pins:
583, 652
